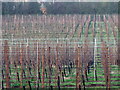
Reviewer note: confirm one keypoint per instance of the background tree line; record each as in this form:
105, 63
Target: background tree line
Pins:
60, 8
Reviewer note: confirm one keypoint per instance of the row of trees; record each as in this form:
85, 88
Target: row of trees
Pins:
60, 7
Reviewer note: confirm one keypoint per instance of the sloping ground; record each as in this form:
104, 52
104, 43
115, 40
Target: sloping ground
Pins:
70, 79
67, 31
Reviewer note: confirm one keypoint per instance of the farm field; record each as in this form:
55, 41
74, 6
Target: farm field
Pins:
60, 51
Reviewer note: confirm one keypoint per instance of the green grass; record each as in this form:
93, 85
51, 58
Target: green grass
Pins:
87, 83
71, 80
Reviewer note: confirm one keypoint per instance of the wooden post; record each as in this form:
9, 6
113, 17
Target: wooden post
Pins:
78, 69
95, 51
57, 68
85, 48
21, 63
43, 66
6, 58
37, 82
28, 60
38, 65
16, 63
49, 66
105, 62
94, 46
